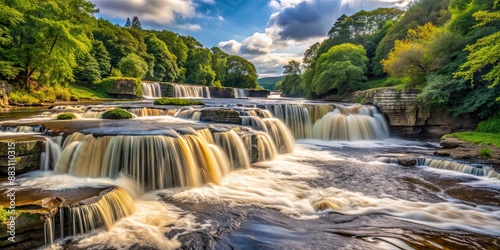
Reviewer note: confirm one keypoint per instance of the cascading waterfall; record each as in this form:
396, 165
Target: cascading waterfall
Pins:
51, 154
240, 93
261, 146
462, 168
142, 112
345, 123
275, 128
181, 90
155, 162
151, 90
113, 205
190, 113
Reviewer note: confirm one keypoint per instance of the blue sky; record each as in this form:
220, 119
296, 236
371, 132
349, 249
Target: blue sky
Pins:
269, 33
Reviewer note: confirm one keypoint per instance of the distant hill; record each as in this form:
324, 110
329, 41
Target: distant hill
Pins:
269, 82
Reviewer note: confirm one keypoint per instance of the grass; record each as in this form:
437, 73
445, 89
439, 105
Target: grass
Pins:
80, 92
485, 152
477, 137
50, 94
117, 114
66, 116
176, 102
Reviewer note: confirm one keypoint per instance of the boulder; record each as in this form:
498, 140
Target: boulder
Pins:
220, 115
407, 162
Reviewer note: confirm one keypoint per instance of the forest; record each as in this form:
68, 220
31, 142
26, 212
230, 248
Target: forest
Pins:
448, 49
57, 49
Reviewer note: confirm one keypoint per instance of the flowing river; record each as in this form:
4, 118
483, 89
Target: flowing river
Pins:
292, 174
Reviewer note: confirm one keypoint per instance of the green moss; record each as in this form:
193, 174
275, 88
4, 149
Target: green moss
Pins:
80, 92
176, 102
485, 152
477, 137
66, 116
360, 99
117, 114
107, 84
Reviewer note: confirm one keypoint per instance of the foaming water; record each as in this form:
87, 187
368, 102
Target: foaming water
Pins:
280, 185
484, 171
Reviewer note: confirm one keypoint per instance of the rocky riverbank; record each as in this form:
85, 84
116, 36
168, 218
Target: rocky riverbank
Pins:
458, 149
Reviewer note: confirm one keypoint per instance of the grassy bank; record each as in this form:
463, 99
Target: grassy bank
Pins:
477, 137
50, 94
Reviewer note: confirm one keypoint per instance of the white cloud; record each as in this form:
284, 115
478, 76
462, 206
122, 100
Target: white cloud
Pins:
157, 11
231, 46
220, 18
189, 26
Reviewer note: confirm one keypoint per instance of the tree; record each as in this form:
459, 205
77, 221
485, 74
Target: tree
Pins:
128, 24
87, 72
340, 70
165, 66
219, 64
50, 36
133, 66
102, 57
240, 73
199, 67
136, 23
175, 44
291, 84
484, 56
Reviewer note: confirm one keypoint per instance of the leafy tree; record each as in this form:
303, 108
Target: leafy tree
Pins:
136, 23
128, 24
219, 64
199, 67
102, 57
484, 55
175, 44
9, 17
87, 72
51, 35
240, 73
133, 66
340, 70
291, 85
117, 41
165, 66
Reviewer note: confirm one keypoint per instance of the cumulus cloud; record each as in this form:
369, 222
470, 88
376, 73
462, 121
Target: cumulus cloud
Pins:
231, 46
157, 11
189, 26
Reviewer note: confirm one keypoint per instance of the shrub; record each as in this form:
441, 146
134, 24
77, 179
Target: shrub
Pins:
485, 152
66, 116
491, 125
106, 85
4, 215
117, 114
22, 97
176, 102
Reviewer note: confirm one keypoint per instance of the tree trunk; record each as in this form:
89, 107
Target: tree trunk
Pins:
27, 79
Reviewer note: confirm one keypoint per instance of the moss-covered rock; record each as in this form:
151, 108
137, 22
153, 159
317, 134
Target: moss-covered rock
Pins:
66, 116
121, 87
117, 114
220, 115
176, 102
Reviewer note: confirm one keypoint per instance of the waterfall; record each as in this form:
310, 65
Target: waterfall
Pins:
184, 90
49, 230
261, 146
88, 215
141, 112
279, 133
151, 90
155, 162
51, 154
357, 123
485, 171
240, 93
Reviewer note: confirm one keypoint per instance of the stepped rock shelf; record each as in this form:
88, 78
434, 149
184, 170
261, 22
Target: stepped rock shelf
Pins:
80, 177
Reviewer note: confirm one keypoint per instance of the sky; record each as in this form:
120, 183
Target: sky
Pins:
269, 33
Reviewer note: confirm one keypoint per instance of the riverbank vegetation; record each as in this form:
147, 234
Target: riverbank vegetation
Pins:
59, 44
448, 49
176, 102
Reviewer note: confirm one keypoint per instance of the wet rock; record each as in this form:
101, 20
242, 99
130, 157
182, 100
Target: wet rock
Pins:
124, 87
27, 151
5, 90
220, 115
458, 149
221, 92
408, 117
451, 143
22, 147
407, 162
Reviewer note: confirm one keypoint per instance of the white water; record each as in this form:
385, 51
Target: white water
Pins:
240, 93
151, 90
185, 90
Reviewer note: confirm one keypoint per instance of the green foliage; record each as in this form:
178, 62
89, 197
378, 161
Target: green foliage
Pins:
269, 83
133, 66
477, 138
279, 86
341, 69
117, 114
176, 102
440, 90
66, 116
22, 96
199, 67
115, 73
136, 23
491, 125
4, 215
240, 73
87, 72
81, 92
485, 152
107, 84
102, 57
165, 65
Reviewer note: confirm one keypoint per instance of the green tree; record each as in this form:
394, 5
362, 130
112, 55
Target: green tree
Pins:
9, 17
118, 41
240, 73
136, 23
340, 70
102, 57
175, 44
128, 24
133, 66
46, 43
165, 66
199, 67
291, 83
87, 72
219, 64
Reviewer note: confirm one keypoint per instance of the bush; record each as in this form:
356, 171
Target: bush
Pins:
176, 102
22, 97
106, 85
117, 114
4, 215
491, 125
66, 116
485, 152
